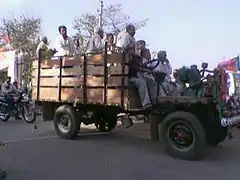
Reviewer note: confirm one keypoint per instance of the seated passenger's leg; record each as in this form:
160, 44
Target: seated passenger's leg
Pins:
141, 85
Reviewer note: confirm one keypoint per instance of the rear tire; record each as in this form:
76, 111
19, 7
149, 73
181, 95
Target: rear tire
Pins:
65, 122
194, 131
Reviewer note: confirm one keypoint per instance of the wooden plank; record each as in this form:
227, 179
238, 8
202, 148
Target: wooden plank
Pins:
77, 70
117, 81
78, 60
92, 81
117, 69
46, 72
67, 61
95, 70
95, 59
46, 81
46, 93
72, 94
114, 96
72, 81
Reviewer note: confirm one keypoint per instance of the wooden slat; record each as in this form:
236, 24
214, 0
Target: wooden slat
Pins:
72, 81
47, 81
95, 96
72, 94
67, 61
114, 96
117, 69
77, 70
46, 94
111, 58
96, 70
78, 81
46, 72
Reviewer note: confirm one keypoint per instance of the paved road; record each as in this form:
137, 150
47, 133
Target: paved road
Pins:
123, 155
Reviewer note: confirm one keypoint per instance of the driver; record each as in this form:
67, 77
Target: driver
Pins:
8, 90
164, 67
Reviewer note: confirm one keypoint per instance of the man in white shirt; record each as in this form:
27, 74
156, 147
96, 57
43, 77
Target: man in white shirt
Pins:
126, 40
95, 44
165, 67
42, 46
64, 43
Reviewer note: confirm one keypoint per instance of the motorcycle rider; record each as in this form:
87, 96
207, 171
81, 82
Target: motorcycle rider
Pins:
8, 90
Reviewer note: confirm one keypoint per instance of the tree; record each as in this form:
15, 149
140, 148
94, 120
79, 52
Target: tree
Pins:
114, 21
24, 33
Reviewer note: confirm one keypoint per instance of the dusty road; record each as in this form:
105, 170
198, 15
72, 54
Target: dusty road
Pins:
122, 155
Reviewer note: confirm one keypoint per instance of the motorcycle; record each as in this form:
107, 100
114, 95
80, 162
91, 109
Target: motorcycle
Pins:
21, 108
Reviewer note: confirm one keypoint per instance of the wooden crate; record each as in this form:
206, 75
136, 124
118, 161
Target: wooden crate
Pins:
72, 80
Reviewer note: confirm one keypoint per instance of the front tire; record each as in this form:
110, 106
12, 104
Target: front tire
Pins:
65, 122
183, 135
25, 115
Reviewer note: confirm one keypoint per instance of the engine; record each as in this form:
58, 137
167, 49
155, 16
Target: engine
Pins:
3, 106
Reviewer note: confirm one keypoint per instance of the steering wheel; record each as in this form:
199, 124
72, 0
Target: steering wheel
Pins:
144, 65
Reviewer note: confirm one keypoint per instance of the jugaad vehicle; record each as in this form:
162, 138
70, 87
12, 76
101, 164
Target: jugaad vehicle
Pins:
94, 89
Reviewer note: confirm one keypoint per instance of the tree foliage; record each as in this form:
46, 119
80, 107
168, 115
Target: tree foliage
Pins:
114, 21
24, 32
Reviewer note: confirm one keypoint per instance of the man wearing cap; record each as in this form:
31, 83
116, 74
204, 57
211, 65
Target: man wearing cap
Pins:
95, 44
64, 43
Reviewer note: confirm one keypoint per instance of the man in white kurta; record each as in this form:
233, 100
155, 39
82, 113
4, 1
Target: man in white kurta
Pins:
64, 43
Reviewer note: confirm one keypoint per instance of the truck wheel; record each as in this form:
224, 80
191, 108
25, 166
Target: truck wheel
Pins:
107, 123
65, 122
217, 135
183, 135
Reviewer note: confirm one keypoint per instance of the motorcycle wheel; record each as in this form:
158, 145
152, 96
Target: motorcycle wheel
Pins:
25, 115
4, 119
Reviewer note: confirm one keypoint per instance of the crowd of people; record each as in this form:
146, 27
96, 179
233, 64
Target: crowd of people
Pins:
142, 72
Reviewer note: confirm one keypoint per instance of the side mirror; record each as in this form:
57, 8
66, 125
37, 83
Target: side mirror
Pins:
204, 65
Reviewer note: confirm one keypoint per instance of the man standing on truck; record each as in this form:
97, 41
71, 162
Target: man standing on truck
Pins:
95, 44
64, 43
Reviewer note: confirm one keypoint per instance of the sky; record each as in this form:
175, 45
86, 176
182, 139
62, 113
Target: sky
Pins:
190, 31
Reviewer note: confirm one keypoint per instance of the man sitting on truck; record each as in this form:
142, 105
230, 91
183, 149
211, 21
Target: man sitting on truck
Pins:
95, 44
126, 41
168, 87
42, 46
64, 43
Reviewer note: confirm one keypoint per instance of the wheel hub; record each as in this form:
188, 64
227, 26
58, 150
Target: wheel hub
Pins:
64, 123
181, 135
